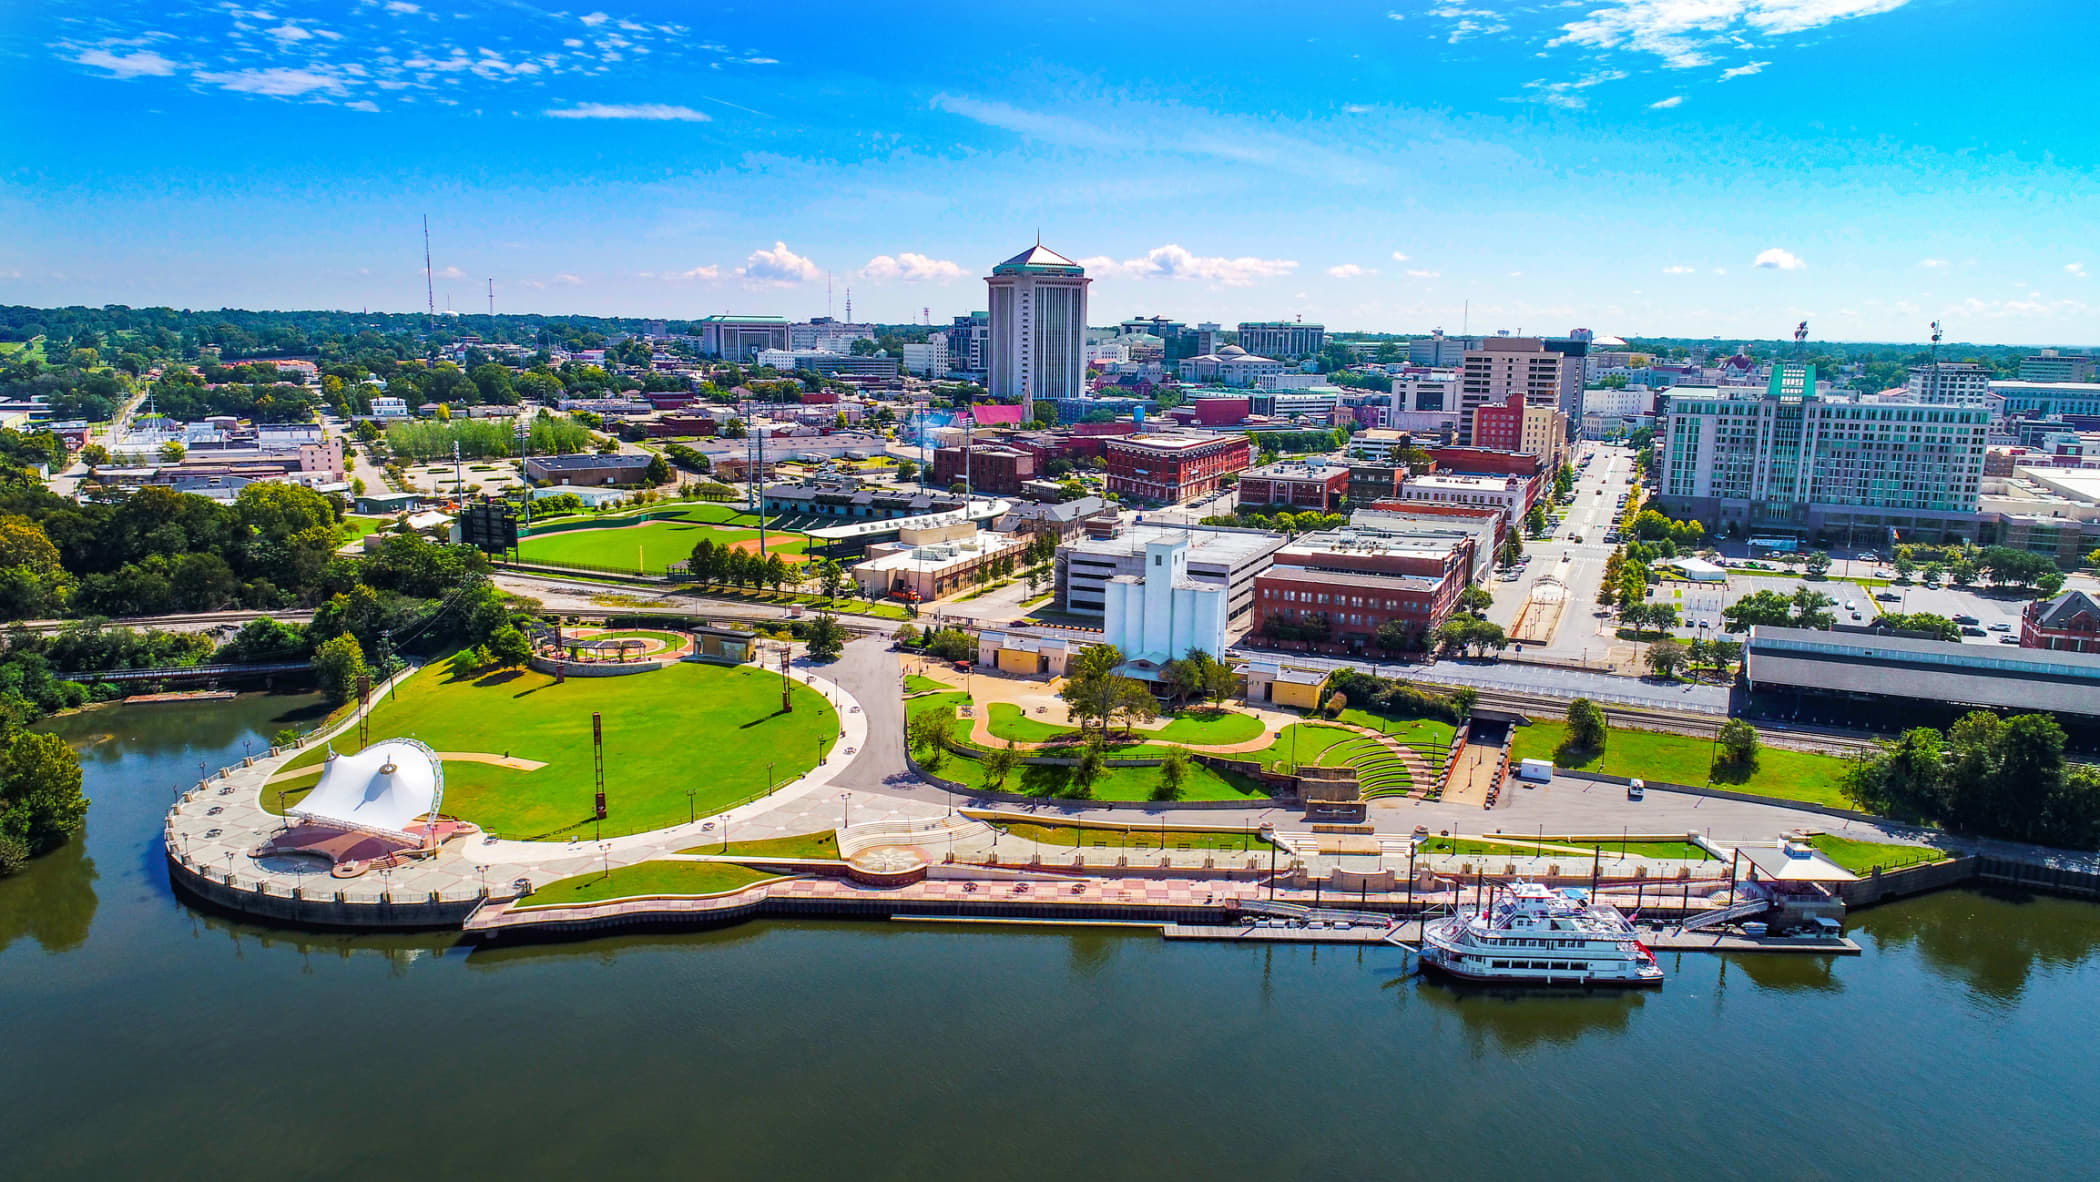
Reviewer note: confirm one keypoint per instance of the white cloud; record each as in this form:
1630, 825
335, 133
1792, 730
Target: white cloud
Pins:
144, 63
911, 267
1684, 32
1665, 104
1350, 271
1564, 93
1470, 22
1174, 262
1932, 264
1424, 274
1398, 257
710, 271
1679, 270
566, 277
363, 105
594, 19
1776, 259
654, 111
778, 266
1744, 71
403, 6
276, 81
1396, 16
288, 33
2076, 270
451, 273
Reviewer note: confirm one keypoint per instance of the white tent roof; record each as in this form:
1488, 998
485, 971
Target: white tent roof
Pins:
384, 788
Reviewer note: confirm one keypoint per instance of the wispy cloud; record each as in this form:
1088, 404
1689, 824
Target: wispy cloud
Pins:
1776, 259
1566, 93
1680, 270
1424, 274
1470, 22
1665, 104
1350, 271
778, 267
654, 111
912, 268
2076, 270
1932, 264
1398, 257
144, 63
1744, 70
1687, 33
276, 81
1175, 262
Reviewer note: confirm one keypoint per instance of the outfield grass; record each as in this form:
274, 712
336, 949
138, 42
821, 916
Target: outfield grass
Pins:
647, 548
1860, 857
801, 845
714, 730
1138, 836
646, 878
1121, 783
1684, 759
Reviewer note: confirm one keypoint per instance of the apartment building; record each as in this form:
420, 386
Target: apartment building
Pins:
1174, 468
1790, 460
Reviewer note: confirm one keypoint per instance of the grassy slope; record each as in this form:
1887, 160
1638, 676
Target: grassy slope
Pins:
1682, 759
915, 684
646, 878
1423, 734
1123, 783
1860, 857
1138, 836
802, 845
1307, 740
693, 726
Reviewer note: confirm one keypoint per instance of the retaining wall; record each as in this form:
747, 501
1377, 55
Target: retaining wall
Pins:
205, 886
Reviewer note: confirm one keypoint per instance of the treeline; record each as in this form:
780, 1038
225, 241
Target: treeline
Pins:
1987, 775
427, 439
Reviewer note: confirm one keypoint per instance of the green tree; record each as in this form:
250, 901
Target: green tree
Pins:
1817, 563
1586, 726
1092, 763
928, 732
1664, 658
509, 648
41, 803
337, 665
998, 763
1173, 774
826, 638
658, 471
1737, 743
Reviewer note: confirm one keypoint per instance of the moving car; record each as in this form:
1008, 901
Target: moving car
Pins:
1636, 790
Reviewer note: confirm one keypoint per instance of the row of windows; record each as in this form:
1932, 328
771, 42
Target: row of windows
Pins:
1322, 598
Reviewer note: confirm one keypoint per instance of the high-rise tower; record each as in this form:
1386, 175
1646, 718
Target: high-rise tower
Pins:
1038, 337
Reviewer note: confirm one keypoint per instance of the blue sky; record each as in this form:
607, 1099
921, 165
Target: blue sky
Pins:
1693, 167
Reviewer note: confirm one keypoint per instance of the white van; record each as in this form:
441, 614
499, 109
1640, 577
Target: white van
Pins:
1636, 789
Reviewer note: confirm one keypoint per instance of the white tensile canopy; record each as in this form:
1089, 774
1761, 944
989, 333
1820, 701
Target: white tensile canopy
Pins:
383, 788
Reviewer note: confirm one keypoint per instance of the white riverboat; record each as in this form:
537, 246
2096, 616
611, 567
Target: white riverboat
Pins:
1529, 933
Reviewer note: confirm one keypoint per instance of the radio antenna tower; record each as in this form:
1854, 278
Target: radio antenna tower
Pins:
492, 295
926, 313
429, 287
849, 305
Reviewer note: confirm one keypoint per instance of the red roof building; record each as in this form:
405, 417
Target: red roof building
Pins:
1171, 469
2069, 623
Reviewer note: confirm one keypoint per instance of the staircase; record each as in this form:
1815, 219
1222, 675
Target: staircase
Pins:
1743, 909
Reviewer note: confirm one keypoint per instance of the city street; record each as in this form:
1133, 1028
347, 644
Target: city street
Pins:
1581, 634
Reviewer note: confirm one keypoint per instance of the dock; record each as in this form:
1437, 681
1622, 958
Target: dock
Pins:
1410, 934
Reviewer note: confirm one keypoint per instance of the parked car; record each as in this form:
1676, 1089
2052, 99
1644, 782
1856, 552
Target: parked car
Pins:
1887, 596
2001, 626
1967, 620
1970, 630
1636, 790
2008, 640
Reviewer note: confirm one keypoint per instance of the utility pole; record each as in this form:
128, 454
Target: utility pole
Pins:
429, 285
787, 706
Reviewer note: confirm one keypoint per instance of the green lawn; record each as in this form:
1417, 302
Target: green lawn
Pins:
1634, 849
915, 684
1138, 836
1683, 759
1123, 783
1860, 857
646, 548
687, 726
1419, 733
1194, 729
1011, 723
1301, 743
646, 878
1203, 728
355, 527
802, 845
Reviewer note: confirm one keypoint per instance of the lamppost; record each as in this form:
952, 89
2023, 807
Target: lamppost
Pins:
690, 815
484, 869
847, 816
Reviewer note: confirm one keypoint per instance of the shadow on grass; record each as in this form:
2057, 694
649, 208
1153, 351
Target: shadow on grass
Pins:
500, 677
1568, 755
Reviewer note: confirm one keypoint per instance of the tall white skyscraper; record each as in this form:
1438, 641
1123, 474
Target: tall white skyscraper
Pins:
1038, 339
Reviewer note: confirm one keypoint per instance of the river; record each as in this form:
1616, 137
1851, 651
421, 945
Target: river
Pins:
140, 1037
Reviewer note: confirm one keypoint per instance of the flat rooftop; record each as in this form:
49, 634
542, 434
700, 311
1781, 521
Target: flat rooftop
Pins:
1930, 670
1205, 545
1329, 578
1168, 442
1461, 481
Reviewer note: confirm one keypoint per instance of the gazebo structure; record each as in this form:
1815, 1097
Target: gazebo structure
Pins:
372, 808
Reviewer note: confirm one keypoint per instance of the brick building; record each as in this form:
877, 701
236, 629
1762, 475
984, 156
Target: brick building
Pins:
1173, 468
1299, 485
988, 468
1370, 483
2068, 623
1515, 425
1334, 590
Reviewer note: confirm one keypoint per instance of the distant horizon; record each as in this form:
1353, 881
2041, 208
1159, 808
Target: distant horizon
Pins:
1726, 168
944, 321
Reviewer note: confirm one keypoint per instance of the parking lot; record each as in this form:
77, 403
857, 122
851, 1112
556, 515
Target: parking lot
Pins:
1996, 614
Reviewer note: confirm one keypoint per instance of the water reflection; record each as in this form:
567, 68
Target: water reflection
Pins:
1789, 972
1517, 1018
1991, 939
52, 900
